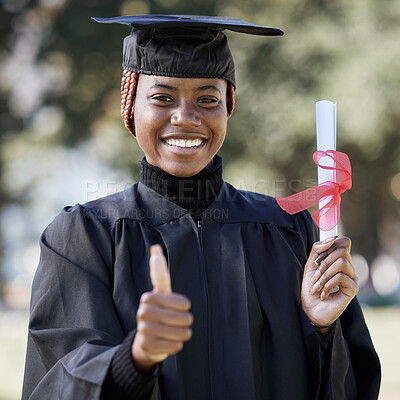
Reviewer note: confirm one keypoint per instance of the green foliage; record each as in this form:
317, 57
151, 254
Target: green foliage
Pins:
341, 51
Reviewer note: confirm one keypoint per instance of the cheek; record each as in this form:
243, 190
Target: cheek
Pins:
144, 123
148, 125
219, 124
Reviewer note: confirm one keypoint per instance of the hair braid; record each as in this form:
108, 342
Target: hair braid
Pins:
128, 93
230, 99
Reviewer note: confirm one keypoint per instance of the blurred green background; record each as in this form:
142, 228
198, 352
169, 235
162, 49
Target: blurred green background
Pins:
62, 140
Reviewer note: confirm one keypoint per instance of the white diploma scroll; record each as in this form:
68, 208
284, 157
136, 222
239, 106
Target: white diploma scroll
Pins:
326, 140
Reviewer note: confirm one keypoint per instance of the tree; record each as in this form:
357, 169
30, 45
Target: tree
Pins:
61, 72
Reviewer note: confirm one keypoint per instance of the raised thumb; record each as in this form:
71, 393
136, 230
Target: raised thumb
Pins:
159, 274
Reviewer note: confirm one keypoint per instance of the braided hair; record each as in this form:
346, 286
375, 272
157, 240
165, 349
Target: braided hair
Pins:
128, 93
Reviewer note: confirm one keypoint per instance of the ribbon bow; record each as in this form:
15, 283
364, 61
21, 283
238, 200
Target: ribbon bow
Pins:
327, 216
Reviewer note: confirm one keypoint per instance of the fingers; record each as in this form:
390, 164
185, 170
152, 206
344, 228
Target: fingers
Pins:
338, 257
159, 274
171, 301
155, 350
333, 268
321, 250
163, 332
347, 286
341, 242
340, 266
344, 241
163, 326
150, 313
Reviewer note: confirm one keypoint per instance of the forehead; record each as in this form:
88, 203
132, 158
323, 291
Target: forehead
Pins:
153, 81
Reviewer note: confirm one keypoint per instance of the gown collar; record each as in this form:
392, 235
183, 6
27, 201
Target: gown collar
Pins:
193, 193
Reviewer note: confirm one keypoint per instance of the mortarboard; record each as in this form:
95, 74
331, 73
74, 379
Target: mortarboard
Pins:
185, 46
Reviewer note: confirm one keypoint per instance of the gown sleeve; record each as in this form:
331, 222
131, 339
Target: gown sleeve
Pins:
345, 363
74, 332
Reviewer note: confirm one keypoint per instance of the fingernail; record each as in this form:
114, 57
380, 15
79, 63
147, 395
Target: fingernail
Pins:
315, 277
322, 296
330, 239
155, 249
315, 288
320, 258
326, 242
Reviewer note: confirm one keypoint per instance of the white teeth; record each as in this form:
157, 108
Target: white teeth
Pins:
184, 142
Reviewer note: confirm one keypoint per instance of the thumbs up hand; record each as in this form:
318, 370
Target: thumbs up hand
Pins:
163, 318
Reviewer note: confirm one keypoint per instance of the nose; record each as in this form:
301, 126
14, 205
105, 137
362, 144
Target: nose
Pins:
185, 115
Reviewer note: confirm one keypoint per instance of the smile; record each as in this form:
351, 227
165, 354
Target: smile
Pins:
184, 142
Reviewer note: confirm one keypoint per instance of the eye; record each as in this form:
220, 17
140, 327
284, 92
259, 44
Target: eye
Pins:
163, 98
207, 100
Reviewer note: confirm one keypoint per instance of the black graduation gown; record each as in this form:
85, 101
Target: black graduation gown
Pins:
241, 269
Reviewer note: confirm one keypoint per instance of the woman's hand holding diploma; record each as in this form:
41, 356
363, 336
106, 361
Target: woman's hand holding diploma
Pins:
163, 318
328, 266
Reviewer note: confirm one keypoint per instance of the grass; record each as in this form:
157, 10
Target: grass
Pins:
13, 333
384, 325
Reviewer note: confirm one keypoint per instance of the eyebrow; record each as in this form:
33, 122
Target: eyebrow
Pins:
206, 87
160, 85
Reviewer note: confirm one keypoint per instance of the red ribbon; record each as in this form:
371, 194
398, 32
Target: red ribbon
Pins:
328, 216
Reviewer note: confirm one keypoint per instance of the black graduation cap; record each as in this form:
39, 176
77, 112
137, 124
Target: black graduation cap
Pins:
185, 46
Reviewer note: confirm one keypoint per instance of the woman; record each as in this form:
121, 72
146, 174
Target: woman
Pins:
249, 311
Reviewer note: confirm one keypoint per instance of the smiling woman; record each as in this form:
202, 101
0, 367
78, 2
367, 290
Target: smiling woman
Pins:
182, 287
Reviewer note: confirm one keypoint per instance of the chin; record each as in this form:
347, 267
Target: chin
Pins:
185, 174
183, 171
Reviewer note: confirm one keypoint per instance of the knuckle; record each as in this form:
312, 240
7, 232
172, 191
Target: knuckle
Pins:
342, 262
146, 329
146, 297
141, 327
186, 302
142, 312
189, 317
188, 334
340, 276
179, 346
139, 314
181, 300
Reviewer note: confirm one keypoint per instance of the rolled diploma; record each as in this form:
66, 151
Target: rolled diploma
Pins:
326, 140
